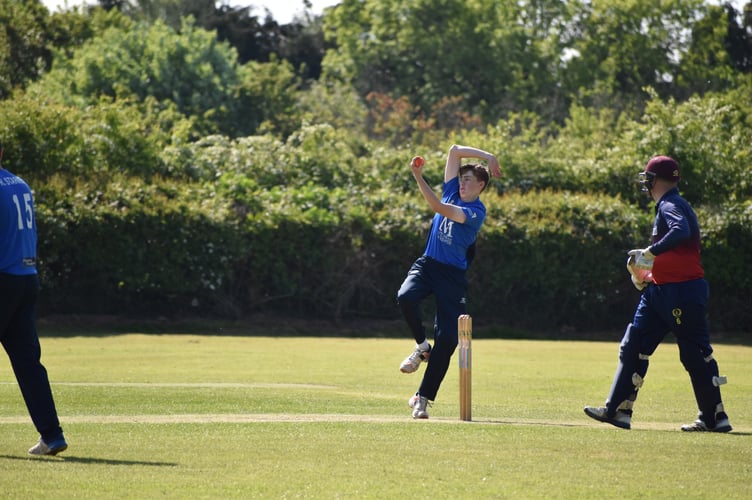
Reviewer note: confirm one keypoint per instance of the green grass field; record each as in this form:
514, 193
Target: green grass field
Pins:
208, 416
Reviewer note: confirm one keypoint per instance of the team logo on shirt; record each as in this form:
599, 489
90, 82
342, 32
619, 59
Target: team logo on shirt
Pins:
445, 230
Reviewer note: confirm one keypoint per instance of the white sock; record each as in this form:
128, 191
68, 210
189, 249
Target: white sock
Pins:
424, 346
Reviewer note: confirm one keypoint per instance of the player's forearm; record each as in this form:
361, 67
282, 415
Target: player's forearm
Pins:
457, 152
450, 211
471, 152
433, 201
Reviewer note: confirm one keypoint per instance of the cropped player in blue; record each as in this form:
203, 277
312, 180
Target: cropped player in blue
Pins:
674, 299
441, 269
18, 295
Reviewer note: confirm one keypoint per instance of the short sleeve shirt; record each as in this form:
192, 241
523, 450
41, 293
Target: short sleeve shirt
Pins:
448, 240
18, 232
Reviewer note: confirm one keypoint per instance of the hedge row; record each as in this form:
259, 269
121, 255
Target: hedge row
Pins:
546, 260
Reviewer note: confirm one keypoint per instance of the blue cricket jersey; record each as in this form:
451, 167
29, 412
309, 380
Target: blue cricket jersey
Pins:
448, 240
18, 233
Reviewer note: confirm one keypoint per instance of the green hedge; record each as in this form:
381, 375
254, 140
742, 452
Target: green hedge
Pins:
550, 260
727, 247
546, 260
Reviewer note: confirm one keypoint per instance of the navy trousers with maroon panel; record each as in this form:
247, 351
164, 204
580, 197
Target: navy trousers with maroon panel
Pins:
448, 284
18, 335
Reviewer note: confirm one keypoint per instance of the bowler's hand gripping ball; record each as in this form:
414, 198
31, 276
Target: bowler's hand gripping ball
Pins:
418, 161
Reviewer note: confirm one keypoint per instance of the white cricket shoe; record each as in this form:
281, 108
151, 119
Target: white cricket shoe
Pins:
413, 361
698, 425
52, 448
420, 405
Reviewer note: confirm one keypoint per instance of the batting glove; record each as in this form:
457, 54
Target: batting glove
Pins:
640, 285
640, 277
643, 258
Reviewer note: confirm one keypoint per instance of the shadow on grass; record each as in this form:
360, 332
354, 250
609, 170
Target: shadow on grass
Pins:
272, 325
92, 461
643, 427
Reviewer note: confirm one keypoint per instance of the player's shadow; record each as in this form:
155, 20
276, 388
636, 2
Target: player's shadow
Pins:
587, 423
92, 461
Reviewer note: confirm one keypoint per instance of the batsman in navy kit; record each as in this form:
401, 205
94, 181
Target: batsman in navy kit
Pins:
674, 299
18, 295
440, 271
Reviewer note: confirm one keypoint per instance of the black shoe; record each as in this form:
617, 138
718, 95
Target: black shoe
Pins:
621, 419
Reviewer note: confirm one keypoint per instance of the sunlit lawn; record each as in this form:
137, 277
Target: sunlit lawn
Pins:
206, 416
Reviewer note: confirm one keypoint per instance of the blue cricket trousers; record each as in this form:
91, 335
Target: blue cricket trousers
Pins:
18, 334
448, 284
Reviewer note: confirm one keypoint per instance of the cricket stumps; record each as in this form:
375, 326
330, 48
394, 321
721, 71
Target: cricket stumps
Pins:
465, 337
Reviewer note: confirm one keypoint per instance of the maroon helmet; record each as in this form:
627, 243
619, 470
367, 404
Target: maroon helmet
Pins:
659, 167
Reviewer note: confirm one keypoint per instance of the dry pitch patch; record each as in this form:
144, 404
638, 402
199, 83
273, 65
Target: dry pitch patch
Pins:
250, 418
240, 418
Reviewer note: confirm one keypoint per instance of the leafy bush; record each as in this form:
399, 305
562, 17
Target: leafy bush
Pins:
43, 139
132, 248
727, 245
556, 260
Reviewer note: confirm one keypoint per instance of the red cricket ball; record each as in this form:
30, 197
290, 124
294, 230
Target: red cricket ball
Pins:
419, 161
